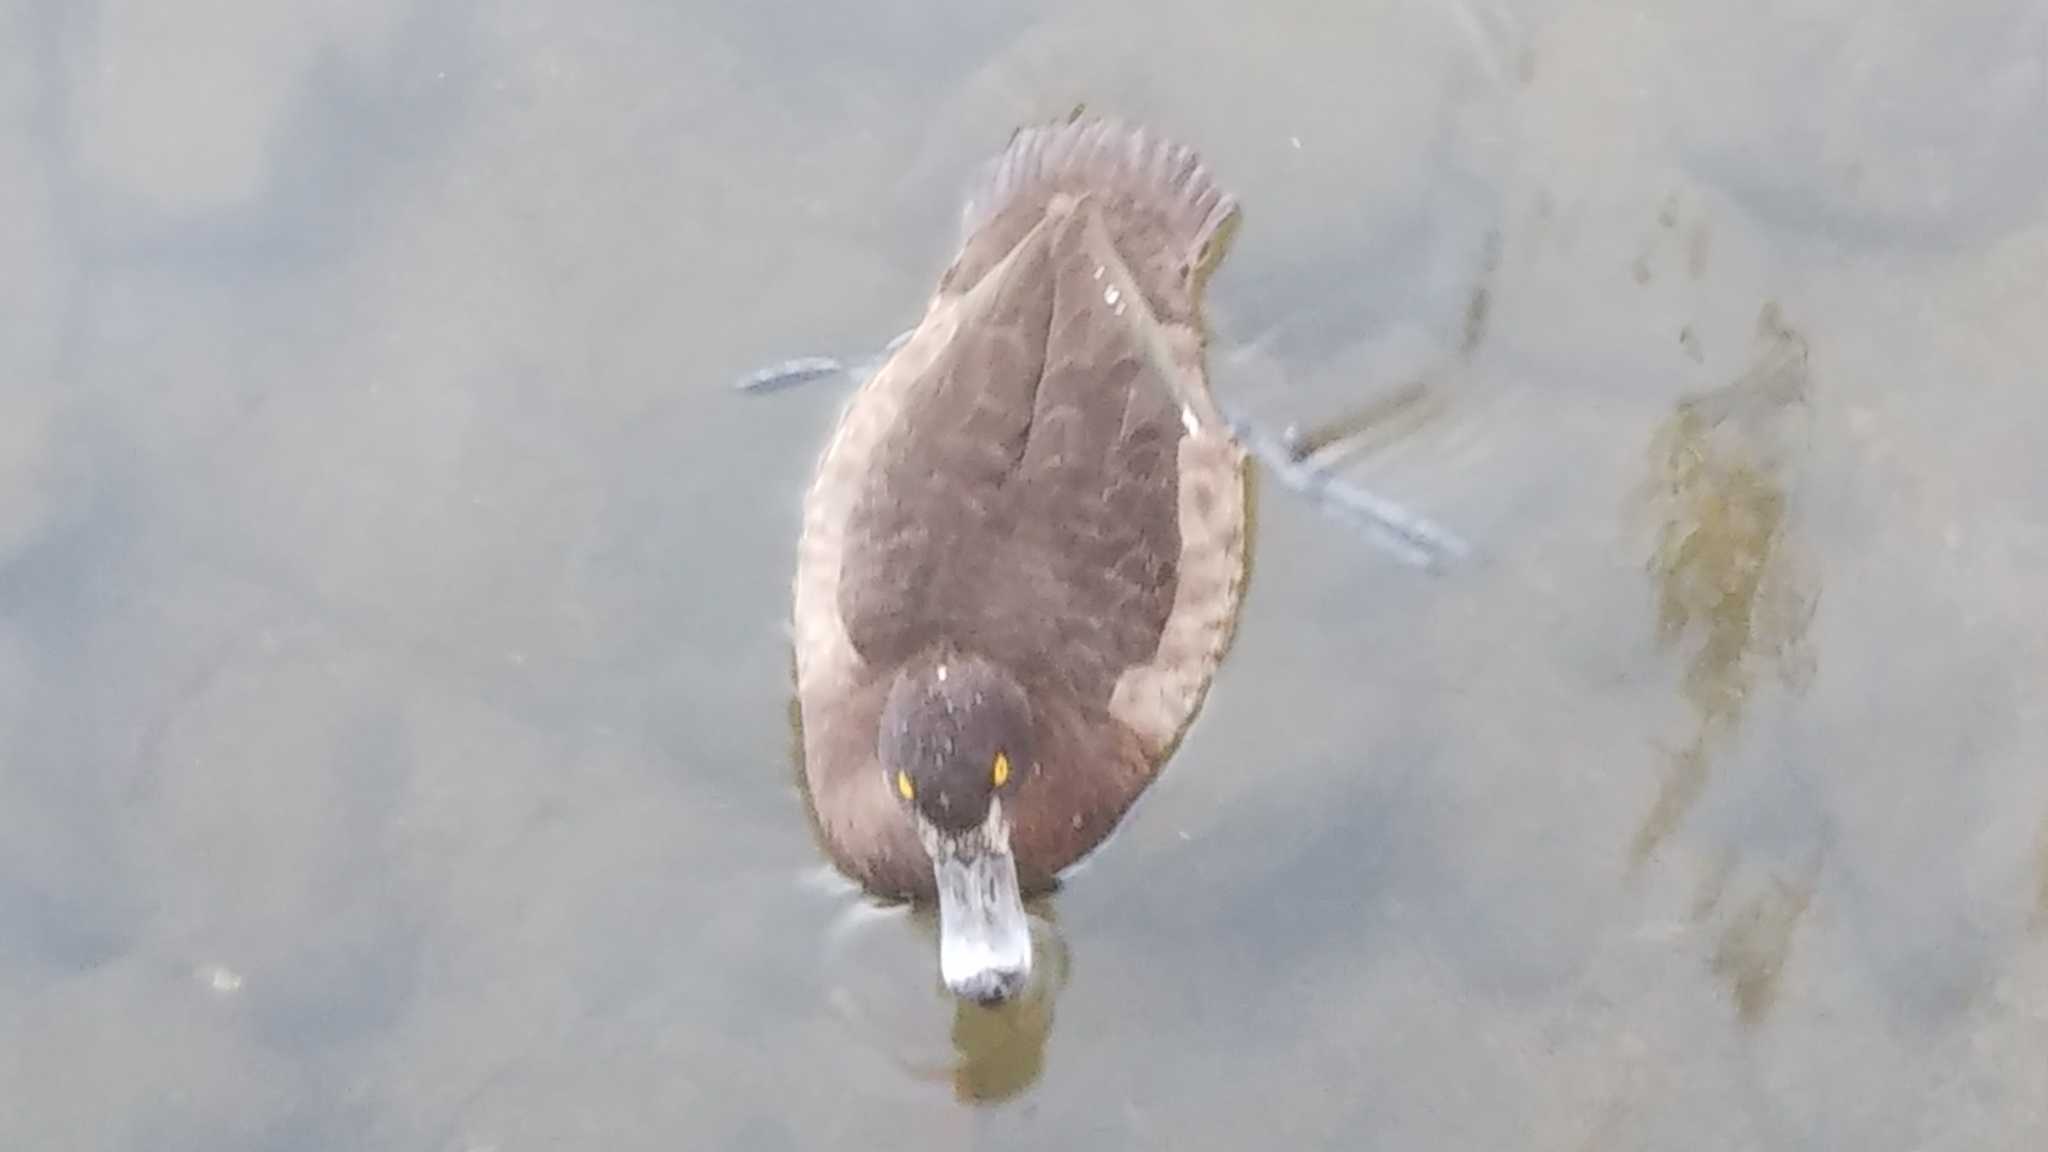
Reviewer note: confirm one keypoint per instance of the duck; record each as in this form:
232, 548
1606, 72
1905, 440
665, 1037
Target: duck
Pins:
1022, 550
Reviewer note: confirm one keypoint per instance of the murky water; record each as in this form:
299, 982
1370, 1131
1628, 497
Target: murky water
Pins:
394, 693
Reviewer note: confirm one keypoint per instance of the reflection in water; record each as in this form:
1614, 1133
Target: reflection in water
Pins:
1731, 586
1000, 1050
991, 1053
1728, 582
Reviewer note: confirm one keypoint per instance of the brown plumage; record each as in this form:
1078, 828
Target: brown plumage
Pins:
1035, 493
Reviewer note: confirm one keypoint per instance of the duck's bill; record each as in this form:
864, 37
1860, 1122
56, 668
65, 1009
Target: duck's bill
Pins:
984, 935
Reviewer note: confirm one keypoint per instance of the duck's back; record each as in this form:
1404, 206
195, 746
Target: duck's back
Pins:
1039, 474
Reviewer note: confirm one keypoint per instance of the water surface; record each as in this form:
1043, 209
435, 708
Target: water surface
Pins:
395, 741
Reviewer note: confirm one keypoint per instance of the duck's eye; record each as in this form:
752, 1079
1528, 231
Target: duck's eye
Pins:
904, 787
1000, 772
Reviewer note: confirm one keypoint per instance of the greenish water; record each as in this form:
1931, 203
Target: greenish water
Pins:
395, 740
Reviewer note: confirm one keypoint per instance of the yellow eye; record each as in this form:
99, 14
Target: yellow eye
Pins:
1001, 772
903, 787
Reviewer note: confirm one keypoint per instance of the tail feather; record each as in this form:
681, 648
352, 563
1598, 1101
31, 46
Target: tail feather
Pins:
1170, 218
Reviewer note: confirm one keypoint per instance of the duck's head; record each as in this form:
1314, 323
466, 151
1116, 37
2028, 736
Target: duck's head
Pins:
955, 744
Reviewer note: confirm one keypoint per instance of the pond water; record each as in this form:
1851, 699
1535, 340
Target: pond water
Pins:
395, 720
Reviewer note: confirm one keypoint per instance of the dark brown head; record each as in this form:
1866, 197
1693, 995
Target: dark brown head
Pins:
955, 742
